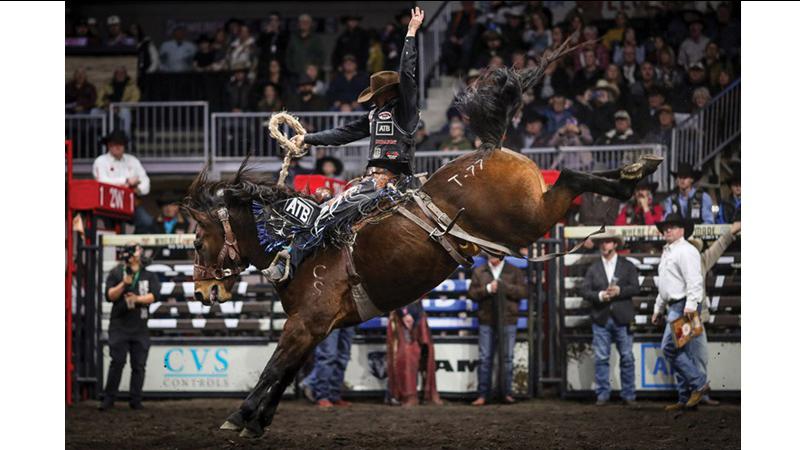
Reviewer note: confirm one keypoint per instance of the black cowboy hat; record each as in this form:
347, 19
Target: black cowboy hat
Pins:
115, 137
336, 162
379, 82
677, 219
168, 198
686, 170
735, 179
644, 184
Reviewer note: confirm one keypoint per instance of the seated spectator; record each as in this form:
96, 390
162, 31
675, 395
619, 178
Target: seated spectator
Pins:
641, 209
116, 37
630, 45
514, 30
276, 76
663, 134
668, 74
237, 91
700, 98
457, 140
120, 169
177, 54
242, 50
622, 134
305, 47
589, 75
590, 42
731, 209
538, 38
205, 57
271, 43
572, 134
320, 86
555, 80
628, 64
724, 79
603, 107
459, 36
691, 203
727, 31
492, 46
683, 96
421, 138
80, 95
712, 61
646, 83
306, 100
518, 59
171, 220
271, 100
531, 134
84, 37
617, 32
609, 286
347, 84
557, 113
121, 88
694, 46
646, 117
353, 41
329, 166
613, 77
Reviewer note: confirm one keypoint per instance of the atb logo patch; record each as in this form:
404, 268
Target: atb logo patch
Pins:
300, 210
384, 129
385, 115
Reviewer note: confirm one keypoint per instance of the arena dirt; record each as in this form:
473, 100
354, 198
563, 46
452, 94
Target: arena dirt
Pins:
550, 423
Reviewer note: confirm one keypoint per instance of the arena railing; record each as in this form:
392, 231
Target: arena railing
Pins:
164, 130
701, 136
430, 41
86, 131
588, 158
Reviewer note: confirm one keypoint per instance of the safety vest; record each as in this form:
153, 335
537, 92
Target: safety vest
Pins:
390, 146
694, 207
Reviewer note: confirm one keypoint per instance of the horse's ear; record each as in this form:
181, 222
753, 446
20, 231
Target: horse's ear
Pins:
200, 217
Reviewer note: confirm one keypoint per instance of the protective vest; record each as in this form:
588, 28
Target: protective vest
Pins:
694, 207
390, 146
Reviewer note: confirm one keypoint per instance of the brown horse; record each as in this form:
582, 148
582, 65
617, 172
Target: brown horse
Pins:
505, 200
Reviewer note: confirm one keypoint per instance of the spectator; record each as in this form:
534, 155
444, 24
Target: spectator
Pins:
171, 220
616, 34
557, 113
531, 135
513, 31
423, 142
461, 31
622, 134
347, 84
654, 47
628, 64
603, 107
409, 351
687, 201
116, 37
731, 210
353, 41
589, 75
694, 46
712, 62
636, 53
668, 74
609, 286
700, 98
683, 96
120, 169
220, 46
131, 289
538, 8
275, 76
613, 76
177, 54
330, 167
320, 86
86, 37
646, 118
457, 140
237, 91
596, 209
206, 56
271, 100
666, 122
242, 50
496, 285
538, 38
305, 47
376, 58
724, 79
147, 54
590, 43
647, 83
555, 80
271, 44
492, 46
324, 383
572, 134
306, 100
232, 27
680, 292
81, 95
641, 209
121, 88
727, 31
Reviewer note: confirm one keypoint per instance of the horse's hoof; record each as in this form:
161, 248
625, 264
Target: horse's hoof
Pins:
252, 430
632, 171
234, 422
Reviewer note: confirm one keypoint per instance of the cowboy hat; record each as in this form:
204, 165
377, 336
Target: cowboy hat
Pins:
605, 85
608, 236
336, 162
379, 82
686, 170
115, 137
649, 185
734, 179
677, 219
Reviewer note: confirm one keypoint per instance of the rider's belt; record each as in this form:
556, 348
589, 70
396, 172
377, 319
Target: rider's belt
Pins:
677, 300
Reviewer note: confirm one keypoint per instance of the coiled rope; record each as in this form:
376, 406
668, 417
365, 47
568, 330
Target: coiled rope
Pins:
292, 151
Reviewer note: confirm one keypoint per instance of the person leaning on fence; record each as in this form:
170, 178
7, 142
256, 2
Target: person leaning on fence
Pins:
680, 292
121, 169
131, 289
609, 285
492, 285
730, 210
708, 258
688, 201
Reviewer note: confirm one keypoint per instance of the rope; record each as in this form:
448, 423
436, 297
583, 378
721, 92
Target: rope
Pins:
292, 151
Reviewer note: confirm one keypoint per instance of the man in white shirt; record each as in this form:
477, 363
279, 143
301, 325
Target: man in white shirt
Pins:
120, 169
693, 48
680, 292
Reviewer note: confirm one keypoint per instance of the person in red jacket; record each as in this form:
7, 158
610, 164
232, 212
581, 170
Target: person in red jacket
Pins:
641, 209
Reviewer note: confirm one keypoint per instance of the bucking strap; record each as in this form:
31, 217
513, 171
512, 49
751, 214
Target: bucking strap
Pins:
437, 237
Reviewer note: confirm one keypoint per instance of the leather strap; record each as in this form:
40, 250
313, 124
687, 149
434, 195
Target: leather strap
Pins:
438, 238
230, 249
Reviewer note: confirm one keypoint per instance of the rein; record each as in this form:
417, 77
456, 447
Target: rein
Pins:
229, 250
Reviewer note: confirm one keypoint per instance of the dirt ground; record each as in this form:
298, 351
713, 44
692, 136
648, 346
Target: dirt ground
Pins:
550, 423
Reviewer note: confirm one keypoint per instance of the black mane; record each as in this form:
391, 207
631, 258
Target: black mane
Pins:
246, 186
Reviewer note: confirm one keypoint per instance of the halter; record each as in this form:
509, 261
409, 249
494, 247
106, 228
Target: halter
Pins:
230, 250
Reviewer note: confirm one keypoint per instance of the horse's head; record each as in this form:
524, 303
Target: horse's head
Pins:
217, 259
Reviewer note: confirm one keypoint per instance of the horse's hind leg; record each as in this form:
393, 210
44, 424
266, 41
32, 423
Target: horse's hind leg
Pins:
619, 183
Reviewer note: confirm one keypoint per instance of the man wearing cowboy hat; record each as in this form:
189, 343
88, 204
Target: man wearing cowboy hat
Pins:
688, 201
680, 292
390, 125
609, 285
730, 210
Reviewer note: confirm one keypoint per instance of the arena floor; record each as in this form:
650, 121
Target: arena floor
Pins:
193, 424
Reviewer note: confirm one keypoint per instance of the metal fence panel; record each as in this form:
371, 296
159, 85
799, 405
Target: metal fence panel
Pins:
85, 131
163, 130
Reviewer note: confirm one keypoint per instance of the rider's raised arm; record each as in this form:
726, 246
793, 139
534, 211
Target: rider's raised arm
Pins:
408, 105
353, 131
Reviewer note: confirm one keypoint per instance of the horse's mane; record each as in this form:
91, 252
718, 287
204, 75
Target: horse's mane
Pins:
496, 95
246, 186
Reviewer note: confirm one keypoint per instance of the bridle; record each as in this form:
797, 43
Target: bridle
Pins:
229, 250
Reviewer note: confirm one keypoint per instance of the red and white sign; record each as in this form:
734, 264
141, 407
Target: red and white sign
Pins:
102, 198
